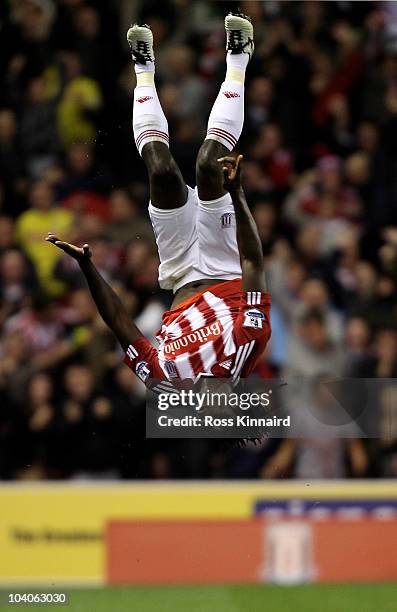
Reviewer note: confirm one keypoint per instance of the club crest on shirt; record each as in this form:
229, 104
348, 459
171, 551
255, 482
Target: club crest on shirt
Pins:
253, 318
170, 368
226, 220
142, 370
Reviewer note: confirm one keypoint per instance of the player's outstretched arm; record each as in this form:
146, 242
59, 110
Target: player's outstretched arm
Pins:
249, 244
108, 303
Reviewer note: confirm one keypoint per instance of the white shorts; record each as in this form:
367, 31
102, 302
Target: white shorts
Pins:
196, 241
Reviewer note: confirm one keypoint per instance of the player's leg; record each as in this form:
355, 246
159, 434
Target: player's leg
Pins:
216, 222
173, 205
167, 187
227, 116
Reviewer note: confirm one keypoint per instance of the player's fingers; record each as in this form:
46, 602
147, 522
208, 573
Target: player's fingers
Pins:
236, 167
51, 237
62, 245
228, 159
226, 174
70, 249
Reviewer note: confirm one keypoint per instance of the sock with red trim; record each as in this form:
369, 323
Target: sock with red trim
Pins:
226, 120
149, 121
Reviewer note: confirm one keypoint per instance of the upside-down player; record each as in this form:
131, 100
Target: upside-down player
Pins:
210, 252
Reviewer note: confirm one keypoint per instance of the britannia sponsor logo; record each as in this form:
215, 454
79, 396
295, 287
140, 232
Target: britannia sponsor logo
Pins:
198, 336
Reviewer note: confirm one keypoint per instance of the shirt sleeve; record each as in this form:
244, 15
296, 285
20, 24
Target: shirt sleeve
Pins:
251, 331
253, 321
142, 358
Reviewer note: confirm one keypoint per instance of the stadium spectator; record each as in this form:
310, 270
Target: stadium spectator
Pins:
43, 216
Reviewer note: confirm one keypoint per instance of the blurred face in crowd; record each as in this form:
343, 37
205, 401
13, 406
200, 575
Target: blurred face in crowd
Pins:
79, 382
309, 238
295, 275
12, 267
357, 169
260, 92
271, 138
312, 13
357, 334
147, 275
36, 90
390, 67
83, 306
40, 389
180, 62
314, 334
366, 278
348, 244
187, 130
138, 254
170, 100
80, 158
253, 176
35, 19
72, 65
14, 346
368, 136
101, 251
253, 9
6, 232
87, 22
122, 207
386, 286
88, 229
265, 217
322, 71
314, 293
7, 125
159, 28
41, 196
386, 345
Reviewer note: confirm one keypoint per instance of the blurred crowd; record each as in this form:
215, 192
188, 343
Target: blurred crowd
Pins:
320, 146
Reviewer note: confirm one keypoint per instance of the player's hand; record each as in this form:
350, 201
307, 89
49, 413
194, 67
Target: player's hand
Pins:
231, 167
80, 254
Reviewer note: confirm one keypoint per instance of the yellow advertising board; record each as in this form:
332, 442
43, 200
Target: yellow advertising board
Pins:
54, 533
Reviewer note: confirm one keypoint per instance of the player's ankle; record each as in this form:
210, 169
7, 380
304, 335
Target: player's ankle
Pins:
236, 66
144, 73
141, 68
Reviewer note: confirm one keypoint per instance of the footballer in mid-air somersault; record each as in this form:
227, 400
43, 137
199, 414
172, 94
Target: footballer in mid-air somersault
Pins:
210, 252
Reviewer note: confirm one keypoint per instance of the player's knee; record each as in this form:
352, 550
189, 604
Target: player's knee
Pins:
207, 163
164, 173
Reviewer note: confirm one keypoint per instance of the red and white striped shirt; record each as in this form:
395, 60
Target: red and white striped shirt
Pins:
221, 332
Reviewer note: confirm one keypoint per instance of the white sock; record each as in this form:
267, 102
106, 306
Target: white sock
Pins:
149, 121
226, 120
